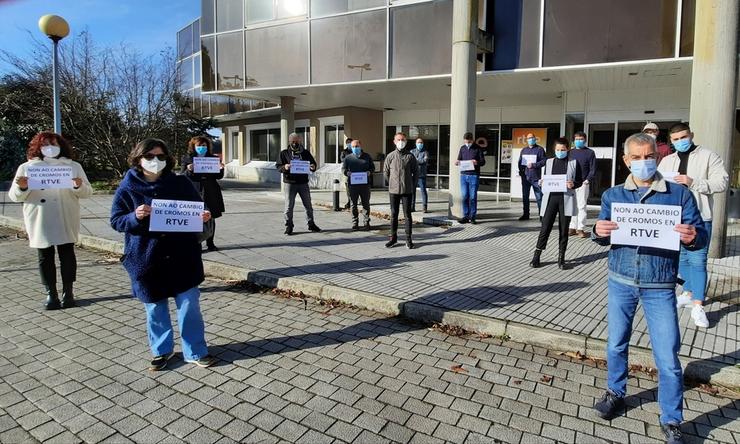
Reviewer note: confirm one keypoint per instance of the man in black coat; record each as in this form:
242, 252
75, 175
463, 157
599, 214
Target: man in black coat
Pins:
296, 181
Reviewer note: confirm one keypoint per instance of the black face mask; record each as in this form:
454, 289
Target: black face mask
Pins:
295, 146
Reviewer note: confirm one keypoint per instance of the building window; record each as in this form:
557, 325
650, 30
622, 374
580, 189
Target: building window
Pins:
229, 15
260, 11
208, 59
688, 15
600, 31
265, 144
516, 28
207, 18
329, 7
276, 55
230, 71
185, 42
185, 74
291, 8
333, 142
421, 36
219, 105
349, 48
197, 70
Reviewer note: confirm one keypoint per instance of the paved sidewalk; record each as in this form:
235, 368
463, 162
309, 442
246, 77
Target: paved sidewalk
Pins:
478, 269
290, 373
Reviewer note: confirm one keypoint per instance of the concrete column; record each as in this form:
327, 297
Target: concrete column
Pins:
287, 119
462, 100
713, 94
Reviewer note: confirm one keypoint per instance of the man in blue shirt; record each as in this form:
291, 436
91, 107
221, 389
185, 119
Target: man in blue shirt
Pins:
469, 178
647, 275
587, 161
531, 160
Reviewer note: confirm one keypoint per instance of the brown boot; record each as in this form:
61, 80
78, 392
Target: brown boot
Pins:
571, 232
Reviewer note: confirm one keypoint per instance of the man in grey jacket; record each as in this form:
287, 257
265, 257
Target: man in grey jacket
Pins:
401, 171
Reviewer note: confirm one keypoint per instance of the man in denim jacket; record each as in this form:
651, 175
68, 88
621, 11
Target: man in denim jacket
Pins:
647, 275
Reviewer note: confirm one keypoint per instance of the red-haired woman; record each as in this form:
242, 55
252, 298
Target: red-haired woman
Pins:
206, 183
52, 215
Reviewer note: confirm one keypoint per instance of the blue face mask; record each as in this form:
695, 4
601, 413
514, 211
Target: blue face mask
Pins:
682, 145
420, 146
356, 150
561, 154
532, 141
643, 169
580, 143
201, 150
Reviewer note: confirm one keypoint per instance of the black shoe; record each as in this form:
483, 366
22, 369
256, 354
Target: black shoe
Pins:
355, 227
672, 433
473, 221
314, 228
160, 362
409, 244
561, 260
68, 297
347, 206
366, 227
289, 229
204, 362
212, 247
536, 259
524, 218
464, 220
610, 405
52, 300
424, 210
393, 241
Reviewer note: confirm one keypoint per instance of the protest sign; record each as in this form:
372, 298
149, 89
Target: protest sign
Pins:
467, 165
529, 158
206, 165
300, 166
646, 225
47, 177
555, 183
358, 178
670, 176
176, 215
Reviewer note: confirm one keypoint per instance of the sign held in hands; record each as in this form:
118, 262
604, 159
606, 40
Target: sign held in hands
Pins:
300, 167
206, 165
46, 177
646, 225
555, 183
176, 215
358, 178
467, 165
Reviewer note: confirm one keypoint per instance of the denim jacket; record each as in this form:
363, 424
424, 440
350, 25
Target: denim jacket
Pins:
647, 267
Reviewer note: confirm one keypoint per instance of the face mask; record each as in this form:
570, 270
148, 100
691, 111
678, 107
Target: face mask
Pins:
643, 169
532, 141
654, 136
154, 166
420, 146
295, 146
50, 150
682, 145
468, 145
401, 144
561, 154
580, 143
356, 150
201, 150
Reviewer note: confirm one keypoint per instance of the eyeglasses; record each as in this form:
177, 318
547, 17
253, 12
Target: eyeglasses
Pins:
149, 156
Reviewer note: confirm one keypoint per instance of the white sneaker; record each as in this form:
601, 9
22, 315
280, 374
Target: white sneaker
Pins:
683, 300
699, 317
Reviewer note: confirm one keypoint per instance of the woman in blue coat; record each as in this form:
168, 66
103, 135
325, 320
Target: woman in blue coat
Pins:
161, 265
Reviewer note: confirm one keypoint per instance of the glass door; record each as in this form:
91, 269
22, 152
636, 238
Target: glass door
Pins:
601, 139
332, 142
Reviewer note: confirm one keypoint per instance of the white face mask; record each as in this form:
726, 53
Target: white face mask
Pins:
654, 136
400, 144
50, 150
154, 166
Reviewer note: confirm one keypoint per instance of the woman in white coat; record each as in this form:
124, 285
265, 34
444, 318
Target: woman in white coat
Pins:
52, 213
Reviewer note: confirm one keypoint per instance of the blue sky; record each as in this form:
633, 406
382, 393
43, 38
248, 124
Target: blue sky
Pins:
145, 25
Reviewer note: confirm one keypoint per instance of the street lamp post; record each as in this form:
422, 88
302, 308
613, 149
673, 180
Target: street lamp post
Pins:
56, 28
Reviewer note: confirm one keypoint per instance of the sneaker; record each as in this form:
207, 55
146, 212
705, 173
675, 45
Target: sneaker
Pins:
610, 405
699, 317
160, 362
409, 244
473, 221
393, 241
464, 220
683, 300
524, 218
571, 232
672, 433
314, 228
205, 361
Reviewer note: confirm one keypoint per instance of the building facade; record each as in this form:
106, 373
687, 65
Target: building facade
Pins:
368, 68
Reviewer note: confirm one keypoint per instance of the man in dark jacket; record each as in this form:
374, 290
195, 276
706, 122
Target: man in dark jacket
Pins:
358, 167
532, 159
296, 181
401, 171
586, 159
470, 155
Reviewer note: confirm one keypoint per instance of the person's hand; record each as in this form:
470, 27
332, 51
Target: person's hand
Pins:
457, 162
190, 167
77, 182
287, 167
475, 162
143, 211
221, 165
22, 182
570, 184
368, 174
530, 165
687, 233
312, 167
604, 228
206, 216
684, 180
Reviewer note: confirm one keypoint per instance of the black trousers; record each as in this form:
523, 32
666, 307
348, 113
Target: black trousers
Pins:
396, 200
555, 208
209, 241
48, 269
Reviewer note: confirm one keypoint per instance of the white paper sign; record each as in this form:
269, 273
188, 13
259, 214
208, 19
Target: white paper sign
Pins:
467, 165
529, 158
300, 166
47, 177
670, 176
176, 215
646, 225
206, 165
358, 178
555, 183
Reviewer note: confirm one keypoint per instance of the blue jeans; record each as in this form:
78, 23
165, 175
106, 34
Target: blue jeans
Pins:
692, 268
469, 191
422, 184
659, 306
189, 319
526, 185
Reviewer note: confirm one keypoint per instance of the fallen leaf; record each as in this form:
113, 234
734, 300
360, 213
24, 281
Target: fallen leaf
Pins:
458, 369
517, 381
546, 378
